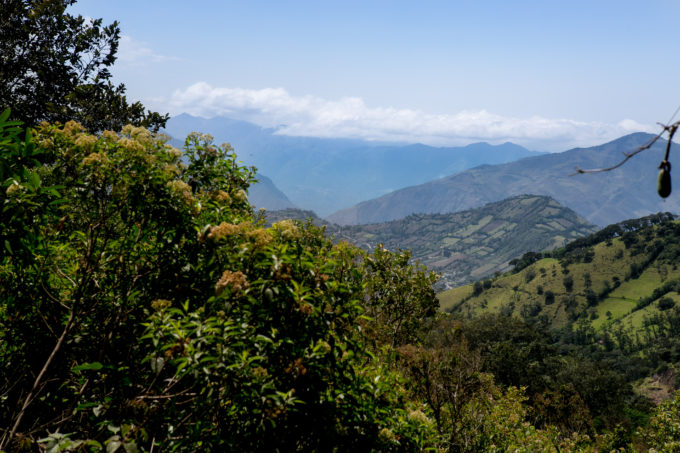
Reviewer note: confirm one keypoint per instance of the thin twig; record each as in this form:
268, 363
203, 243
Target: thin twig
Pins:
666, 128
161, 397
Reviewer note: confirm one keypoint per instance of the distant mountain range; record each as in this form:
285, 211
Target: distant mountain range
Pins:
468, 245
325, 174
602, 198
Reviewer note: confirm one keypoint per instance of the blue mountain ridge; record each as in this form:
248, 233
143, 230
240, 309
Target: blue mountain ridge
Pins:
328, 174
602, 198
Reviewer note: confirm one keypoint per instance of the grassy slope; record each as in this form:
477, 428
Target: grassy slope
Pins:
639, 340
611, 260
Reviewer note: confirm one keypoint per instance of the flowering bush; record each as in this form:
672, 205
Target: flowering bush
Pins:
663, 432
143, 305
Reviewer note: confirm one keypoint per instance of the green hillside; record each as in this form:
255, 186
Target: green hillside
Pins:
608, 276
467, 245
616, 292
146, 305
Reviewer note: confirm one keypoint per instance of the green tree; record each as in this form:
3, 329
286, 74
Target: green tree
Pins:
398, 296
143, 305
55, 67
663, 432
549, 297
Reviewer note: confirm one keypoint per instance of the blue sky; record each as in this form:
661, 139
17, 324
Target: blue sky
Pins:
545, 74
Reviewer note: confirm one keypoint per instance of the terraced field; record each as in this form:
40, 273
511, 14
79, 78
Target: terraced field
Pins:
469, 245
615, 283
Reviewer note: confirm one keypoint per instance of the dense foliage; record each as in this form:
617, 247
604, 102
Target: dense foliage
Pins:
144, 305
142, 302
55, 67
594, 325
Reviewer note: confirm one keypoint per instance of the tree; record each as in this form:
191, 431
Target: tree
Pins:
663, 432
54, 67
398, 296
144, 306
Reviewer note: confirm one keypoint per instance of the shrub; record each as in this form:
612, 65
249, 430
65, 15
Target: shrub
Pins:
666, 303
661, 434
549, 297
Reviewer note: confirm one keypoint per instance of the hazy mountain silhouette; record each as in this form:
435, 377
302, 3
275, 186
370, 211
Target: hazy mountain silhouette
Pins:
601, 198
327, 174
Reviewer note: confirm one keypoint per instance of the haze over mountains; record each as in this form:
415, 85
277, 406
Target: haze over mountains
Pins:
326, 175
361, 182
602, 198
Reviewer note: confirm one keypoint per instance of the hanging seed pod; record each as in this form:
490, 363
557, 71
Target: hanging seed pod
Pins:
663, 182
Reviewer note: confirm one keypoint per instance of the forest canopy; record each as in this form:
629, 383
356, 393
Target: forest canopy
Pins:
55, 67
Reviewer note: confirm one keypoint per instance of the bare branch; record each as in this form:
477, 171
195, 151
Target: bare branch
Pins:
36, 383
671, 129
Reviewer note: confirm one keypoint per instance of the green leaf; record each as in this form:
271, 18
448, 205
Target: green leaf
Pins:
96, 366
157, 364
112, 446
35, 179
4, 115
93, 443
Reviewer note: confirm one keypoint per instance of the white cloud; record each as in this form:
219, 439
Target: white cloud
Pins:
350, 118
135, 52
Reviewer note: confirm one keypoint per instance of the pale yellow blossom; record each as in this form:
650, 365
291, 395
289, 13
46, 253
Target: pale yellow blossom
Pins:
171, 169
387, 436
418, 416
160, 304
173, 152
241, 196
130, 144
86, 142
259, 236
13, 189
223, 230
109, 136
235, 280
222, 197
94, 158
288, 229
73, 128
182, 190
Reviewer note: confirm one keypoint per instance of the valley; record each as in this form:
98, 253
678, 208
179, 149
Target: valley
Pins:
326, 174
